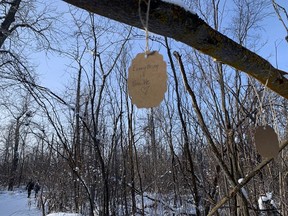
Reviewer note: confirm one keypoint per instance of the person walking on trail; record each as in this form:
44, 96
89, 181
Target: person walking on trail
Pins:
37, 188
30, 187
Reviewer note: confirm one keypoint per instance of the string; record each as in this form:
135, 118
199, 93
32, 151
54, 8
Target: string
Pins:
275, 126
263, 120
262, 116
145, 25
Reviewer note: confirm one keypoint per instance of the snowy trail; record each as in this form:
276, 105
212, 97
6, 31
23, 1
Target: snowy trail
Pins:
16, 203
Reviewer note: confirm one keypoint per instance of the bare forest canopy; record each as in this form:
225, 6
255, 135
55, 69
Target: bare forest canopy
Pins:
175, 22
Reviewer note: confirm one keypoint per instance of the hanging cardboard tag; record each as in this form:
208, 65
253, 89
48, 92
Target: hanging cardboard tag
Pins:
147, 80
266, 141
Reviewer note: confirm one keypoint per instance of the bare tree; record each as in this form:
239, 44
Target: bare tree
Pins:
22, 22
282, 15
21, 117
193, 31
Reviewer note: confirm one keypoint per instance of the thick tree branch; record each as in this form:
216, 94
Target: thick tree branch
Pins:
9, 19
175, 22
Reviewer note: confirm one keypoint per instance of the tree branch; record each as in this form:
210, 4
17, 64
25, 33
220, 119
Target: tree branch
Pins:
9, 19
247, 178
175, 22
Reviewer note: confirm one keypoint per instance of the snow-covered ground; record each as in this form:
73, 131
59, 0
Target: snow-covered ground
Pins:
16, 203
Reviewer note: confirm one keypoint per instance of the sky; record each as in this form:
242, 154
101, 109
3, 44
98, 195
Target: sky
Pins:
275, 34
53, 69
53, 74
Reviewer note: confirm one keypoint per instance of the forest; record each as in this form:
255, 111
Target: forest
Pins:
94, 152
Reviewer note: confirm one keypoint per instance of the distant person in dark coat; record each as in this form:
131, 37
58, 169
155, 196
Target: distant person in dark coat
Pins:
30, 187
37, 188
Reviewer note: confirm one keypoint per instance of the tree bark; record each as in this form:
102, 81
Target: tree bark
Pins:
5, 30
175, 22
185, 134
15, 155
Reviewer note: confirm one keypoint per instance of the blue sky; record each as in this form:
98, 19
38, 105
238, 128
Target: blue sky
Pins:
53, 74
275, 34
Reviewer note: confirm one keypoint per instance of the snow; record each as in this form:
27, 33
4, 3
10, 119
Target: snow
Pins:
265, 198
63, 214
260, 204
244, 192
163, 205
186, 4
16, 203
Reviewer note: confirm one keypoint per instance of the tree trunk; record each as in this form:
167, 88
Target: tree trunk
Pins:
131, 161
175, 22
15, 156
9, 19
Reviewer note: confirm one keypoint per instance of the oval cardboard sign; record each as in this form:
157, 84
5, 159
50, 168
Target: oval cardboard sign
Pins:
147, 80
266, 141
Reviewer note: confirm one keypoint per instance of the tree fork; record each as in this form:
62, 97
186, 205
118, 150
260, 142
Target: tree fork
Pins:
9, 19
175, 22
